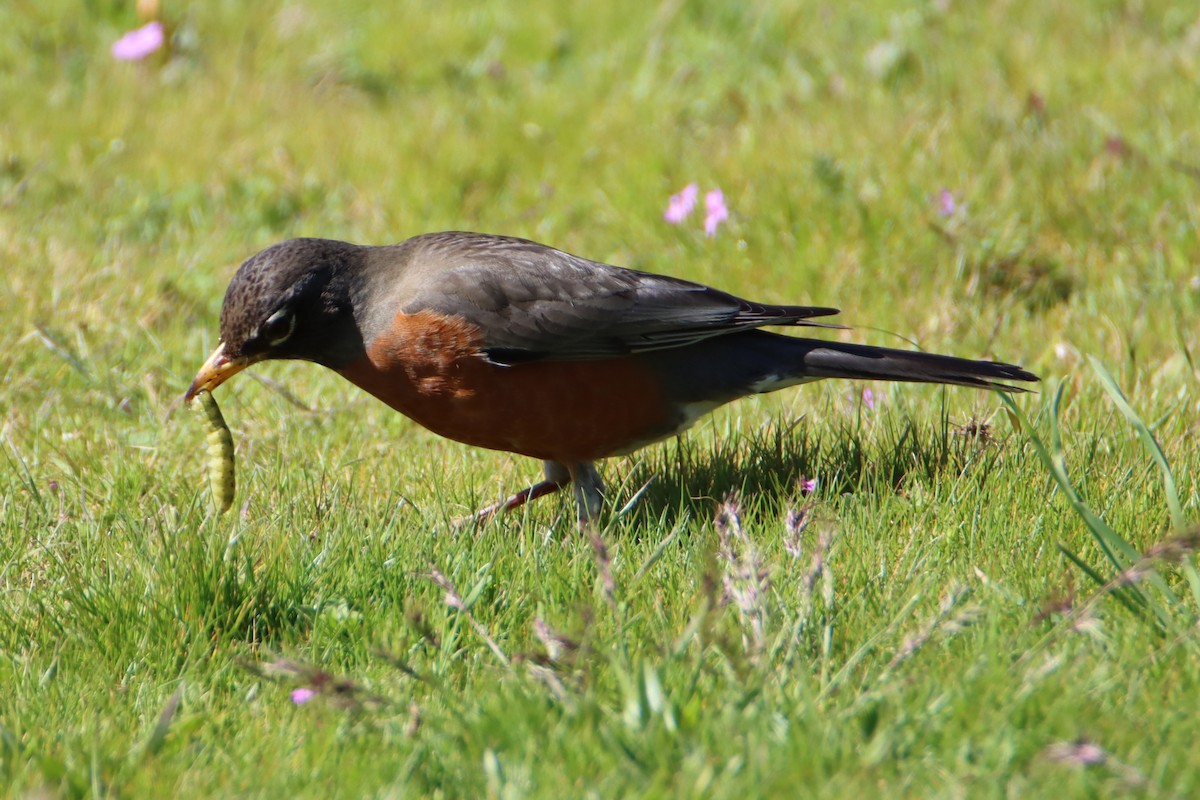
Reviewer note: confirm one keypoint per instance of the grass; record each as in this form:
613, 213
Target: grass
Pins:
914, 627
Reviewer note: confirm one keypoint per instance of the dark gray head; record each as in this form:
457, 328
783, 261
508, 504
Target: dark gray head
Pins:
293, 300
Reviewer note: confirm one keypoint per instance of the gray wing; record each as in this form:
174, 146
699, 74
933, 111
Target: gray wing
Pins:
534, 302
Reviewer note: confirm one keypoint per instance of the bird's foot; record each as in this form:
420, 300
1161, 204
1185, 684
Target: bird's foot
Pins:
589, 493
540, 489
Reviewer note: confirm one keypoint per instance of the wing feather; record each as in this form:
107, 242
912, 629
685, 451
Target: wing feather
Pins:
534, 302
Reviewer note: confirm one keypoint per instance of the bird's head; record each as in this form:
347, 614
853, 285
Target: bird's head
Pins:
290, 301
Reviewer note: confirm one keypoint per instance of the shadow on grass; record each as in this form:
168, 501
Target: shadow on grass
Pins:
768, 466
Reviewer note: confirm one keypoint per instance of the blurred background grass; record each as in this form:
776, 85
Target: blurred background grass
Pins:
1065, 134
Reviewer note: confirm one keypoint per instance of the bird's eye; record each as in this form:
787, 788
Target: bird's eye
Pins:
278, 327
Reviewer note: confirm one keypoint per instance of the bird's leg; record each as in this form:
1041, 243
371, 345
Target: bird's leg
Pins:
589, 490
557, 476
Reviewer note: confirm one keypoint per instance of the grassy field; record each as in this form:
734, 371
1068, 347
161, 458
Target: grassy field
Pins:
1017, 180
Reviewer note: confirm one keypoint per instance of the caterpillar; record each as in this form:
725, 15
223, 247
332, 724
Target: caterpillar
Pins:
222, 478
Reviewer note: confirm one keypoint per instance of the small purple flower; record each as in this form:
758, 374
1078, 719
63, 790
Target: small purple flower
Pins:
302, 695
140, 43
947, 205
1079, 753
714, 201
868, 399
808, 485
680, 205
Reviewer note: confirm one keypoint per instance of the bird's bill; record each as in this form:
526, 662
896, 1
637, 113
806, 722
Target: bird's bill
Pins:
215, 371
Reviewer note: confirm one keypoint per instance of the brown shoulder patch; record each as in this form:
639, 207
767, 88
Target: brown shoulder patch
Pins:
430, 349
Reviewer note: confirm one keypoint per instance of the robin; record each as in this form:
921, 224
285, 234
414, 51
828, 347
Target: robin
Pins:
511, 345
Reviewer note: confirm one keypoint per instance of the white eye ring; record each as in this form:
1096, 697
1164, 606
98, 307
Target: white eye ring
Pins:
274, 320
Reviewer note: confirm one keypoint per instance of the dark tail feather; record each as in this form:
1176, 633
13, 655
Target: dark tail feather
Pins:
863, 362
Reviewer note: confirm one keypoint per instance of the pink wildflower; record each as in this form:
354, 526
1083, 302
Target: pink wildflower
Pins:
680, 205
808, 485
714, 201
868, 399
139, 43
302, 695
947, 205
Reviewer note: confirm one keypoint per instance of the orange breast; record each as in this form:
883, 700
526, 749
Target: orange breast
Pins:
428, 368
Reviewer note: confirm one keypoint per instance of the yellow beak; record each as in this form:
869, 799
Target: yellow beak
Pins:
215, 371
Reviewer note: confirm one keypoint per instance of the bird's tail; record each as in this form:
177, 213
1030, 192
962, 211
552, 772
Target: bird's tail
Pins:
821, 359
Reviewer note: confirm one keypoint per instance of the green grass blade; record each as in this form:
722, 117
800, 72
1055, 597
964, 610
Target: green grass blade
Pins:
1120, 554
1148, 441
1132, 601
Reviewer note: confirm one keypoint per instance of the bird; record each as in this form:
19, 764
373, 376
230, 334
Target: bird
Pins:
511, 345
